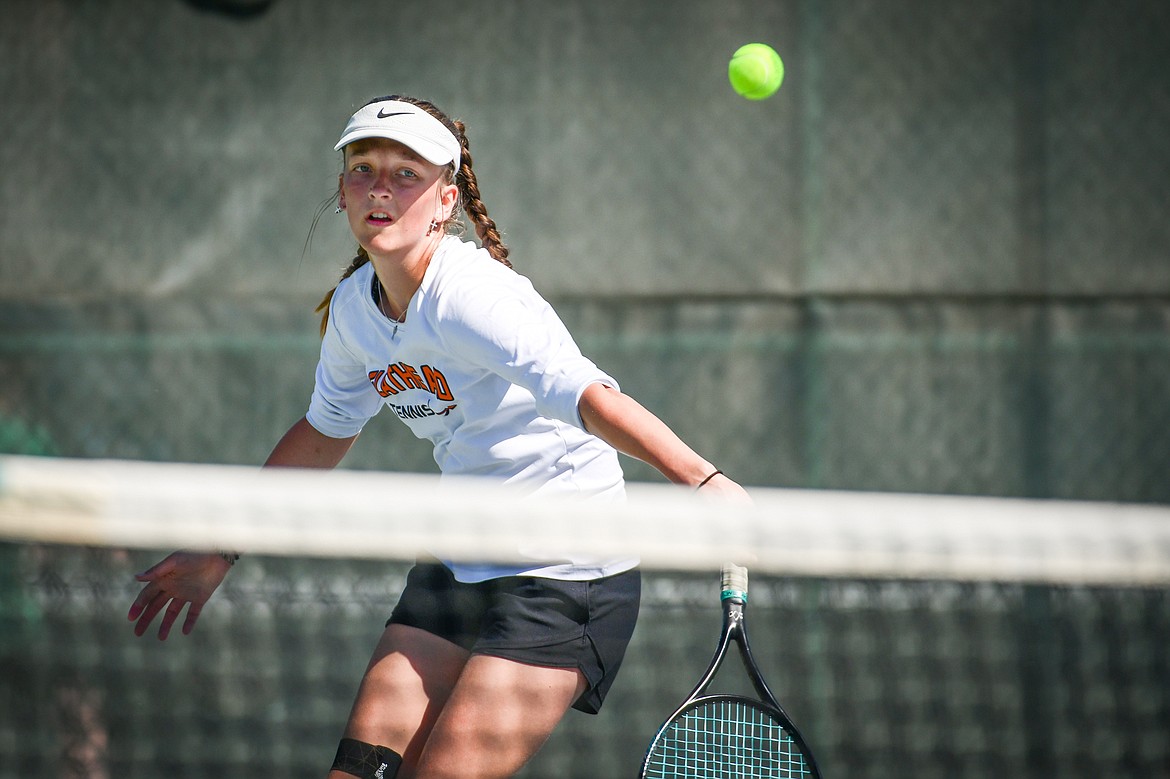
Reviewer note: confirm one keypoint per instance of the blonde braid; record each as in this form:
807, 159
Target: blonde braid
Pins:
485, 226
323, 307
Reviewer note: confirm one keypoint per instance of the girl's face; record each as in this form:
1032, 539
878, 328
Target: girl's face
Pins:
391, 196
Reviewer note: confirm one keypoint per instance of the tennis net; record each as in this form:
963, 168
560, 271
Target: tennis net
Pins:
907, 635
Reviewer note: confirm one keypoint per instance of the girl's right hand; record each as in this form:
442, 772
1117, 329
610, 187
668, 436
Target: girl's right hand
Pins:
182, 578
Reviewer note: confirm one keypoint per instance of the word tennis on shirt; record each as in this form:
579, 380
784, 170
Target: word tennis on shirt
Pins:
399, 377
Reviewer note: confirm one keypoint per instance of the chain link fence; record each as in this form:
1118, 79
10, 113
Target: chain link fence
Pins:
938, 260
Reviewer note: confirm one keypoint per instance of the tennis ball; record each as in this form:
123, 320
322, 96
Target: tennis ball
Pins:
755, 71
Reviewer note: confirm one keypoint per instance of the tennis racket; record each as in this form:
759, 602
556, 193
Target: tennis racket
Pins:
730, 736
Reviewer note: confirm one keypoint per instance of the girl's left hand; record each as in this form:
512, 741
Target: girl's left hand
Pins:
720, 486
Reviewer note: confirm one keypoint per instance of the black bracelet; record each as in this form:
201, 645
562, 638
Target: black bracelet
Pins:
709, 478
231, 557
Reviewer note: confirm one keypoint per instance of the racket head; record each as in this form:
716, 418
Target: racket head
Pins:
729, 737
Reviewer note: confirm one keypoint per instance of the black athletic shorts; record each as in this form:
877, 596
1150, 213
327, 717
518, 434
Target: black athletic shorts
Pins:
546, 622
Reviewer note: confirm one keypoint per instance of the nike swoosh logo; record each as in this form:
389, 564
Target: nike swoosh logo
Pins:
382, 113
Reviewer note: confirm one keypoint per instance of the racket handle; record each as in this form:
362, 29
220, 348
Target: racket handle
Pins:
735, 582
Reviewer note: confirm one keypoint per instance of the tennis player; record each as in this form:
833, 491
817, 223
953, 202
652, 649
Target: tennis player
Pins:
478, 663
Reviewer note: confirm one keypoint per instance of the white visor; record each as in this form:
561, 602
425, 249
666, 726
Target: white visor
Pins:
409, 125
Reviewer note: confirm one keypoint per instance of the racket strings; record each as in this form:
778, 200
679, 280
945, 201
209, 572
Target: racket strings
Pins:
726, 739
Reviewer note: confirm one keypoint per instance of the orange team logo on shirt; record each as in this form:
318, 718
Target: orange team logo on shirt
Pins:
399, 377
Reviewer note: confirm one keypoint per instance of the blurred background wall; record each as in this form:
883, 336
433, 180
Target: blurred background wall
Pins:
937, 260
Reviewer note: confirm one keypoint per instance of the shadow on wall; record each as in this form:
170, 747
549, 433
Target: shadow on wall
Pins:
239, 9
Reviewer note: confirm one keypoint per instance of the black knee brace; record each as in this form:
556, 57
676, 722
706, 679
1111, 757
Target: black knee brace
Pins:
366, 761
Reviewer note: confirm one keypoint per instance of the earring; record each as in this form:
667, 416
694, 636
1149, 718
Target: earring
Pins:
434, 228
337, 210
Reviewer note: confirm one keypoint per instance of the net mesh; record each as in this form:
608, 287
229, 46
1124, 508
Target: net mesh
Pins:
947, 669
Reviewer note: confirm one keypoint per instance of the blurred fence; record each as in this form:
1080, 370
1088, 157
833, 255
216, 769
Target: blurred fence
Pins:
1014, 397
937, 260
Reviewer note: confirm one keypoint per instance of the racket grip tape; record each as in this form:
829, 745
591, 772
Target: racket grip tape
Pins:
735, 582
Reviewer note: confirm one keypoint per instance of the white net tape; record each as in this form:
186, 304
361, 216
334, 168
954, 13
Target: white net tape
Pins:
396, 516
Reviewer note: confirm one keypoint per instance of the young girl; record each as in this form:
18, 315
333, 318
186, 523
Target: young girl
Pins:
477, 663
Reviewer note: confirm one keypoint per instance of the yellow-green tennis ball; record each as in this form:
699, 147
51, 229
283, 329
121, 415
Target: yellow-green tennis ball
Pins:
755, 71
